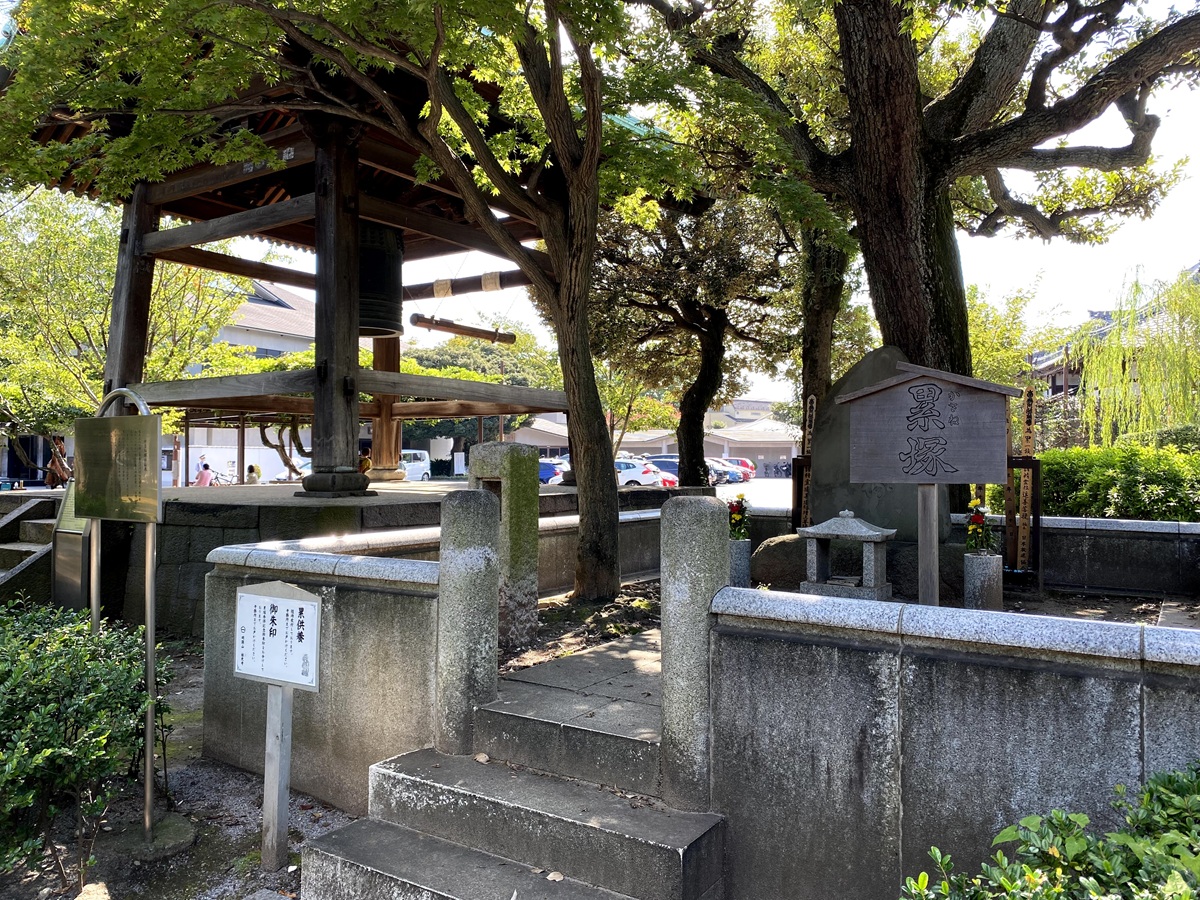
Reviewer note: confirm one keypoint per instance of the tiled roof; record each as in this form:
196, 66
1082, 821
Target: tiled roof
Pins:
277, 310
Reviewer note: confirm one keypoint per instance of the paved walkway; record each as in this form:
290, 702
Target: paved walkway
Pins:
1177, 615
614, 688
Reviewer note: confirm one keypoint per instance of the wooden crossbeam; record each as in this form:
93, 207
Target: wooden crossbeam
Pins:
397, 216
231, 265
435, 388
283, 405
461, 409
252, 221
293, 147
198, 391
469, 284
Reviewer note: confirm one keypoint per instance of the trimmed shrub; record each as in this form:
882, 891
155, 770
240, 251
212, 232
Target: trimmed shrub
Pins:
1182, 437
72, 712
1155, 857
1124, 482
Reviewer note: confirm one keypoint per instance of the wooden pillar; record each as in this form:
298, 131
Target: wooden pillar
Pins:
241, 449
335, 400
185, 466
385, 441
132, 289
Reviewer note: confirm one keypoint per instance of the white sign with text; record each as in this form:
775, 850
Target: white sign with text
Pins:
277, 635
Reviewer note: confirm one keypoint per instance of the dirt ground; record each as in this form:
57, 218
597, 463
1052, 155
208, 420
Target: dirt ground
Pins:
223, 804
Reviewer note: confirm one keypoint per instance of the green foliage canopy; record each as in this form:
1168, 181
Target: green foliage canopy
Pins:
57, 264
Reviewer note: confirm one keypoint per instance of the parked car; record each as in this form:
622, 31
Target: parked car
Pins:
669, 479
549, 472
304, 465
745, 466
632, 471
726, 474
668, 464
416, 464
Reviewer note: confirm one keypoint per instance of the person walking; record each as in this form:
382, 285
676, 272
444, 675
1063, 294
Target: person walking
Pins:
364, 462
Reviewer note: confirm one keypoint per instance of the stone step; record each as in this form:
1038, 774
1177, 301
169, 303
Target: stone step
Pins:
627, 845
37, 531
12, 554
588, 736
382, 861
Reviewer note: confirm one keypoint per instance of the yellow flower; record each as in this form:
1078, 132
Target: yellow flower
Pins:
974, 503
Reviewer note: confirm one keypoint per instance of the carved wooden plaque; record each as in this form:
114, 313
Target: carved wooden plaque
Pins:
920, 428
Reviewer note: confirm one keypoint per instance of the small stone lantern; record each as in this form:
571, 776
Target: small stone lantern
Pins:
846, 527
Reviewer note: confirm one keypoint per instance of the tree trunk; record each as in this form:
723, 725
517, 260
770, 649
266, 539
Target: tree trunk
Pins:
597, 566
825, 267
571, 245
900, 206
948, 330
696, 401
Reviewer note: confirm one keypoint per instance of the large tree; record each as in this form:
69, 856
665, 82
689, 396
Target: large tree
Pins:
515, 123
691, 297
877, 121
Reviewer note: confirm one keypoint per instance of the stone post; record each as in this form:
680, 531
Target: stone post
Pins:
695, 565
511, 471
468, 588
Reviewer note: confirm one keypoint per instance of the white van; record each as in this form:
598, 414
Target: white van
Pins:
416, 464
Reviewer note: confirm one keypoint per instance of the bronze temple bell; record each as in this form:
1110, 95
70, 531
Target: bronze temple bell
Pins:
380, 256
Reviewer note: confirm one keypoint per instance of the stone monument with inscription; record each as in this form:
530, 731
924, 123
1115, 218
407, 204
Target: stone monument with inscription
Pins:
927, 427
831, 490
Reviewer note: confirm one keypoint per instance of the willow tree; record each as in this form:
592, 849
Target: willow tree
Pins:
514, 122
1141, 370
913, 117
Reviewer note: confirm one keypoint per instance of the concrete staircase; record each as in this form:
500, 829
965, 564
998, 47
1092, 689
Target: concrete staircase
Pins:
568, 787
26, 541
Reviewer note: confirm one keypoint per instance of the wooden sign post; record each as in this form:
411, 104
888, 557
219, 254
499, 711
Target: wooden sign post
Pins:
927, 427
1025, 508
277, 640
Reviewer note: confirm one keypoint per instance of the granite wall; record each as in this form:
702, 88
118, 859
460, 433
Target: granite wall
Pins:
850, 736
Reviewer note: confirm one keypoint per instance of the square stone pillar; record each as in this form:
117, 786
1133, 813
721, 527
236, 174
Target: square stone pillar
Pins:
817, 561
874, 564
511, 471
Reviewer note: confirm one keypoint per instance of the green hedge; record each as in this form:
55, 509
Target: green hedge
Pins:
1182, 437
72, 706
1156, 856
1123, 482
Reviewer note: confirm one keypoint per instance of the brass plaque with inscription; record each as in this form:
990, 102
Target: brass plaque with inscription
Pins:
117, 468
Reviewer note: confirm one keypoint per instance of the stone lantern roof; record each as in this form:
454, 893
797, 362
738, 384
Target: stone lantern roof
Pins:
846, 526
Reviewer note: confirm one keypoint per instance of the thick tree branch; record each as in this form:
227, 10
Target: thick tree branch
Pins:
995, 71
1071, 41
975, 153
1105, 159
1011, 207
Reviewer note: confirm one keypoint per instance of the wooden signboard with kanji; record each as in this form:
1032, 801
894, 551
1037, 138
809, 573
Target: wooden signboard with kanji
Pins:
929, 427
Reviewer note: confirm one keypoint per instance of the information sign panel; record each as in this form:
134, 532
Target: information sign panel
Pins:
116, 468
69, 520
277, 635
